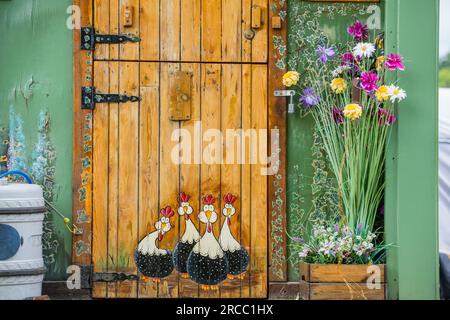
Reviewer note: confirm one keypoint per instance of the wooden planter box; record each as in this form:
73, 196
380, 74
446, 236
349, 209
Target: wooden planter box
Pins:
339, 282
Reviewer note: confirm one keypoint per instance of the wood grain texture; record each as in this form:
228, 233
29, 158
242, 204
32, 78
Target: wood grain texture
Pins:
113, 178
337, 273
258, 259
190, 171
259, 42
129, 50
210, 168
340, 291
149, 29
231, 119
100, 180
128, 177
170, 30
169, 172
148, 160
191, 15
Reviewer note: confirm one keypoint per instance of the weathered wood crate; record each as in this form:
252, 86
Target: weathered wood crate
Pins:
341, 282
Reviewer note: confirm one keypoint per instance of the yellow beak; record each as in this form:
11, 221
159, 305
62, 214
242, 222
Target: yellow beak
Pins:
185, 209
208, 215
163, 226
228, 212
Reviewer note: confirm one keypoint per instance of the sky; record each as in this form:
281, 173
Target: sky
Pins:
444, 38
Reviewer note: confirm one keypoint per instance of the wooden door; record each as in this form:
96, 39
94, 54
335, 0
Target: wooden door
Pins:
141, 160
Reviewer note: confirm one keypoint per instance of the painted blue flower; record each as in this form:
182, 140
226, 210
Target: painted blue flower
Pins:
325, 53
309, 98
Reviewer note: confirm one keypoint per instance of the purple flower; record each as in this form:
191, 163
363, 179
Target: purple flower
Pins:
338, 115
369, 81
358, 31
395, 62
386, 117
298, 240
325, 53
309, 98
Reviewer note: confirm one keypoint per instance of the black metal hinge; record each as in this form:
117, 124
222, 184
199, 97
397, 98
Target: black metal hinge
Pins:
89, 38
89, 97
113, 277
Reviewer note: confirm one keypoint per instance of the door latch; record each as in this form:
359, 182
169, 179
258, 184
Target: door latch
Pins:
290, 94
89, 97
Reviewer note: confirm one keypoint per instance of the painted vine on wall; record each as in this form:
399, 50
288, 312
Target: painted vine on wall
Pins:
311, 189
41, 166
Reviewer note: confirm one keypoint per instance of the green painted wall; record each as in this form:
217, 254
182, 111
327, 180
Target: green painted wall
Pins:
36, 89
412, 182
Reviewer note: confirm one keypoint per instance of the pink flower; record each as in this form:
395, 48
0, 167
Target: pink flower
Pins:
358, 31
348, 58
395, 62
369, 81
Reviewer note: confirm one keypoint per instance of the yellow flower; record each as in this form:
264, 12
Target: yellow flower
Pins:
382, 94
379, 63
338, 85
3, 159
291, 78
352, 111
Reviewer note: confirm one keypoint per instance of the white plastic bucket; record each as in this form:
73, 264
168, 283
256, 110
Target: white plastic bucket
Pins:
22, 210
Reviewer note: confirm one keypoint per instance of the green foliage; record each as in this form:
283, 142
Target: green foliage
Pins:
444, 77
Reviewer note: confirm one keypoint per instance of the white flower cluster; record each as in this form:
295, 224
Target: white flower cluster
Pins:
337, 244
340, 70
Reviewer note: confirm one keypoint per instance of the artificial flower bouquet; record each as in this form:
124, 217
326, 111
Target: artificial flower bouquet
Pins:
353, 107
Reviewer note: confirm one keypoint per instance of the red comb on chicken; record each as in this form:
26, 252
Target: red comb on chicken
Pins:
167, 212
229, 198
209, 200
183, 197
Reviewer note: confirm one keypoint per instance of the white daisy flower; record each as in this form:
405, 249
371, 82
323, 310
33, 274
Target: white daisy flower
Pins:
396, 93
364, 50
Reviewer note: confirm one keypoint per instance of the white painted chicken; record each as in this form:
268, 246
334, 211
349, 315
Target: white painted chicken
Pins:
237, 256
155, 263
207, 264
189, 239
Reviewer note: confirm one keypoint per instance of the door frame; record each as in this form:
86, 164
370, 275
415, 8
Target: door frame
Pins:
82, 180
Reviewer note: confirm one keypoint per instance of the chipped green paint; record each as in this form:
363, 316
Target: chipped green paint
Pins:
36, 86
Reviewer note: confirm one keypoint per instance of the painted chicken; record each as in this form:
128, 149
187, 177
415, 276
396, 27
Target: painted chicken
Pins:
189, 239
207, 264
155, 263
236, 255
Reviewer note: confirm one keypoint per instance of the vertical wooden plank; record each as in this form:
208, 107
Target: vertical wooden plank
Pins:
246, 25
211, 30
129, 50
100, 185
148, 160
277, 120
114, 49
149, 29
231, 168
113, 179
231, 34
128, 177
190, 30
246, 180
190, 172
82, 144
169, 174
210, 169
101, 23
170, 30
259, 42
259, 186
